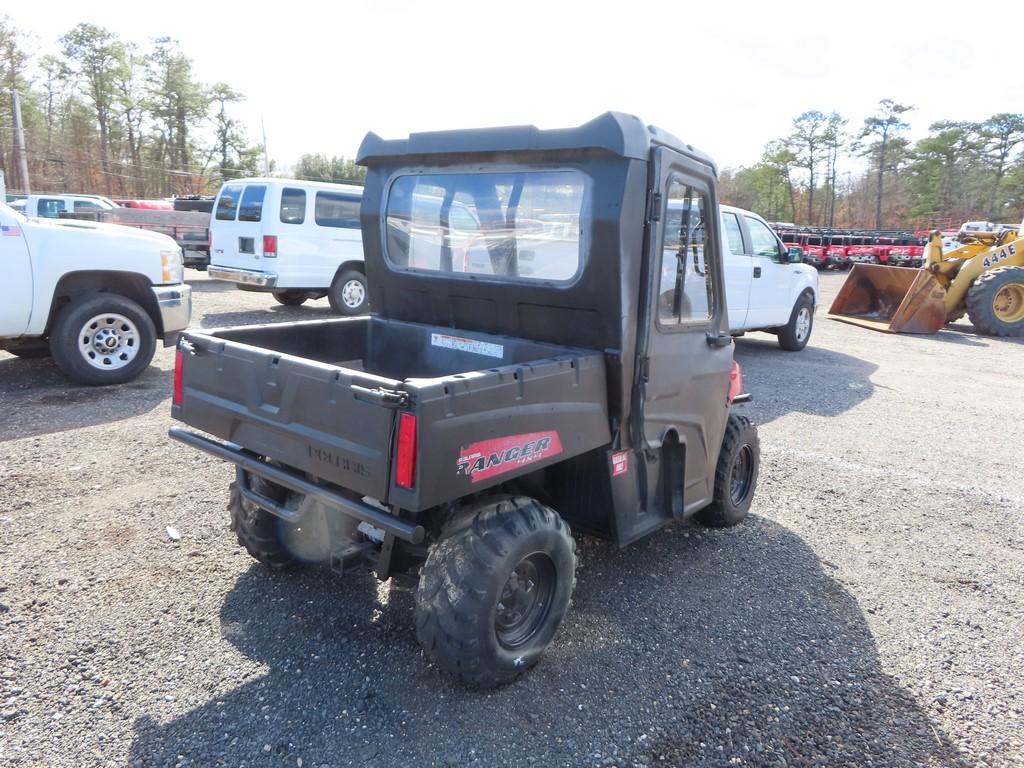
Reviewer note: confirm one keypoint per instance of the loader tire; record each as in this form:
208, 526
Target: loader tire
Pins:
794, 335
995, 303
492, 594
735, 475
258, 531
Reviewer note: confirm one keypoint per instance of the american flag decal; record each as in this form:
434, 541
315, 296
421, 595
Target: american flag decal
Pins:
6, 231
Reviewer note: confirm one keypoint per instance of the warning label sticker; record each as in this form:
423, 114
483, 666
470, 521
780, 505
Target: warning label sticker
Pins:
467, 345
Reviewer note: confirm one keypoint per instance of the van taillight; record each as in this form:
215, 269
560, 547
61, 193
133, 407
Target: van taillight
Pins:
405, 461
179, 361
270, 245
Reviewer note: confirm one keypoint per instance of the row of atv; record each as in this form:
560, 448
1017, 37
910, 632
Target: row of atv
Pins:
832, 250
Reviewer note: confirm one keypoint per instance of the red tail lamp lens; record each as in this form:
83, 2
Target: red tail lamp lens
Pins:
405, 467
270, 245
179, 362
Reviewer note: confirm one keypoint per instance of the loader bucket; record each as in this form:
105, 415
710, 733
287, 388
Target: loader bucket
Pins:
892, 299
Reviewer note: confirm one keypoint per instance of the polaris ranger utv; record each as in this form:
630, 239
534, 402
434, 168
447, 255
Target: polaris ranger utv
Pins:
547, 347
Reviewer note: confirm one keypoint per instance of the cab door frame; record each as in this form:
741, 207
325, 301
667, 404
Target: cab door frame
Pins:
680, 394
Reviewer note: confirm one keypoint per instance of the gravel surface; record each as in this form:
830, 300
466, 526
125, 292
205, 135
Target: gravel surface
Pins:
867, 614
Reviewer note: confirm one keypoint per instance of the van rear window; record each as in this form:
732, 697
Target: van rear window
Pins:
251, 208
337, 210
227, 206
293, 205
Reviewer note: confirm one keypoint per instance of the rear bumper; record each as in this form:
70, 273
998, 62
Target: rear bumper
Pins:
243, 276
248, 462
175, 305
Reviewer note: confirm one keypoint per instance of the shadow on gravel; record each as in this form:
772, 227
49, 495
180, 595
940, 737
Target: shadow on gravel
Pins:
693, 648
815, 380
36, 399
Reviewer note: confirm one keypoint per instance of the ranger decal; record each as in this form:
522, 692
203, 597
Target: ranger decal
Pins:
488, 458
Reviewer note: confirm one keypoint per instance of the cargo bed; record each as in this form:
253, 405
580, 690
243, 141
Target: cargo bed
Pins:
321, 397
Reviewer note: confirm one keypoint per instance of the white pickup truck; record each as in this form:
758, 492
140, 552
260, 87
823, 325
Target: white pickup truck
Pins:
52, 206
767, 287
95, 296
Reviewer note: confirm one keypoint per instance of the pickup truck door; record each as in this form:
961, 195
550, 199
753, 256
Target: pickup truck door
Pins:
739, 271
16, 268
685, 353
770, 291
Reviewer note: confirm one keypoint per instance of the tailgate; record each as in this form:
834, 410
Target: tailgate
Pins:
308, 415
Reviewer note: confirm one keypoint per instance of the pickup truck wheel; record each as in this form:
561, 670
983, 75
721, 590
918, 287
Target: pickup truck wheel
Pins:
29, 350
797, 332
102, 338
492, 595
348, 294
258, 531
290, 298
735, 475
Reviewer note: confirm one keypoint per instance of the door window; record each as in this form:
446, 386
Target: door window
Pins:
686, 293
227, 206
88, 205
731, 227
762, 239
293, 205
334, 210
251, 208
49, 208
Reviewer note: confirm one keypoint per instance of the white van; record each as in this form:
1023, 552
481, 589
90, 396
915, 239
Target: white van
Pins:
295, 239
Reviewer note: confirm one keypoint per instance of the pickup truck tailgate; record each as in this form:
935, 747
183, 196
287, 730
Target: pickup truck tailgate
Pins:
305, 414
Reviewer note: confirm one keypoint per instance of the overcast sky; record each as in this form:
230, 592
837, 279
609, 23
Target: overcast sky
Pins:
726, 78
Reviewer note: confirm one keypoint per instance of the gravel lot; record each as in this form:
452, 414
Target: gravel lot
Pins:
868, 614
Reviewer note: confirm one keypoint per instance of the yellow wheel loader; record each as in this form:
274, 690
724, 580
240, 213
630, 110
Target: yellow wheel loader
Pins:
983, 278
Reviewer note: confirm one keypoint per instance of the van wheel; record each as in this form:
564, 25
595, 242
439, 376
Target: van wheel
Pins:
795, 334
102, 338
492, 594
290, 298
735, 475
348, 294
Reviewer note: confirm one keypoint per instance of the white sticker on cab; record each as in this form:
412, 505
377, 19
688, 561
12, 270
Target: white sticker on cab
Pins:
467, 345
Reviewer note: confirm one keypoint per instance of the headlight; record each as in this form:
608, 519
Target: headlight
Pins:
172, 266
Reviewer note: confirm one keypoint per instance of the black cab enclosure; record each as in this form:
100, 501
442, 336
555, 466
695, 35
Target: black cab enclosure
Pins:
546, 332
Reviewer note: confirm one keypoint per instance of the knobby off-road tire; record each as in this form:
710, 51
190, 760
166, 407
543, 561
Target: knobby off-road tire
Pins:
795, 334
995, 303
290, 298
79, 332
492, 594
735, 475
348, 294
258, 531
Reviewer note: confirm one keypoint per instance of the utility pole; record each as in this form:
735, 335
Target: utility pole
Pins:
266, 157
19, 143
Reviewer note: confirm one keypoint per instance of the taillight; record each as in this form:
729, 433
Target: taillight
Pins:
270, 246
735, 381
179, 362
405, 461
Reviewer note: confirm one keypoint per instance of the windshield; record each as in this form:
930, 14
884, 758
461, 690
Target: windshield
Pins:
516, 225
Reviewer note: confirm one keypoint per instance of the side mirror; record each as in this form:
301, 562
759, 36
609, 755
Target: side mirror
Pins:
795, 254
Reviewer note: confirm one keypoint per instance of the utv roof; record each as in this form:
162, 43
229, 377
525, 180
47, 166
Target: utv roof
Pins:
613, 132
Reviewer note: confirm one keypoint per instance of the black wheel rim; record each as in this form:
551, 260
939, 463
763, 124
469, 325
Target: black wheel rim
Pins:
740, 477
525, 600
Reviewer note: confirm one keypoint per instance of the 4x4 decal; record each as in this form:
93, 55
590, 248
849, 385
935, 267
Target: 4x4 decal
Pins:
488, 458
